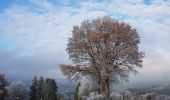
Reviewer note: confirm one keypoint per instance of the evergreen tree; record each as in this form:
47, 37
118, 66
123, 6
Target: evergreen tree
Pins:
3, 83
50, 89
43, 90
40, 89
33, 89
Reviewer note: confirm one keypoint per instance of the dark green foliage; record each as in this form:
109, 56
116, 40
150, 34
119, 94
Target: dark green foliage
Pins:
50, 89
33, 89
43, 89
3, 83
40, 89
33, 93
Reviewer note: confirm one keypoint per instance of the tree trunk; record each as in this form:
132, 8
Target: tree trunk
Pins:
77, 91
102, 89
99, 89
105, 88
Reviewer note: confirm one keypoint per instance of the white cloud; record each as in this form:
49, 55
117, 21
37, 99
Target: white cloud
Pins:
50, 29
32, 29
156, 67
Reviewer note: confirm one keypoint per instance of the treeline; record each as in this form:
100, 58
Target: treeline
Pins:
40, 89
43, 89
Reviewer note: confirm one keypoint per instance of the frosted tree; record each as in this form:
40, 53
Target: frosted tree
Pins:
88, 85
104, 49
18, 90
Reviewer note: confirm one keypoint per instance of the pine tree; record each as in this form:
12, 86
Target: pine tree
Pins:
50, 89
33, 89
43, 90
40, 89
3, 83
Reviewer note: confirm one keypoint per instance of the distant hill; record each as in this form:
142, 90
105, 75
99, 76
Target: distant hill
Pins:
66, 86
162, 89
63, 85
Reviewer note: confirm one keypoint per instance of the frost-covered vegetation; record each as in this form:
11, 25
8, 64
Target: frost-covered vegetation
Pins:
104, 51
41, 89
17, 89
126, 95
88, 91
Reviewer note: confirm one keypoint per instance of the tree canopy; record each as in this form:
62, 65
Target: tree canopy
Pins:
104, 49
17, 89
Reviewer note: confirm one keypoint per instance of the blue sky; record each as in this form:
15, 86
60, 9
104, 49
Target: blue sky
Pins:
34, 33
6, 44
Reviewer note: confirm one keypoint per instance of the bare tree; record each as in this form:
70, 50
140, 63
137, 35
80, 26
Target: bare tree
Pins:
18, 91
105, 49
